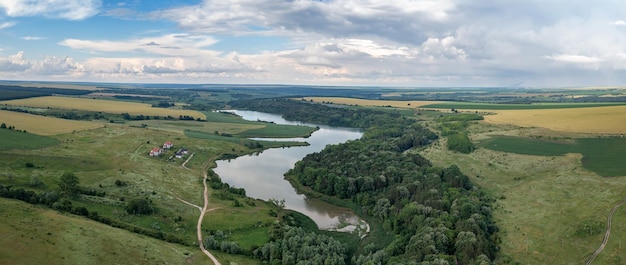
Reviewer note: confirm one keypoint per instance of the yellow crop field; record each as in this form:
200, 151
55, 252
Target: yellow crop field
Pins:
61, 85
375, 103
108, 106
43, 125
584, 120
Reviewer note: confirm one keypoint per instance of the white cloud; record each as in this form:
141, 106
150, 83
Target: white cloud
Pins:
572, 58
18, 65
401, 20
6, 25
401, 42
620, 23
32, 38
166, 45
65, 9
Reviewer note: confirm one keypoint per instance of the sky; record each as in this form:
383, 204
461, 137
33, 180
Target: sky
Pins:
412, 43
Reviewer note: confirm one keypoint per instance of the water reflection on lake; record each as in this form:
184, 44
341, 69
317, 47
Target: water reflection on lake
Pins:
261, 175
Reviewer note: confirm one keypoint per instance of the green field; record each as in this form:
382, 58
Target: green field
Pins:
10, 139
279, 131
237, 140
35, 235
605, 156
494, 106
100, 157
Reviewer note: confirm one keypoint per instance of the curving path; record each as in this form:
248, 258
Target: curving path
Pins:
606, 234
203, 210
185, 163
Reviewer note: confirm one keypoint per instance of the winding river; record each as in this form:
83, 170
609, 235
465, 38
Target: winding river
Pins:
262, 175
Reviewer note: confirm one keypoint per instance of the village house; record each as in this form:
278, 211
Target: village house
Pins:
168, 145
156, 151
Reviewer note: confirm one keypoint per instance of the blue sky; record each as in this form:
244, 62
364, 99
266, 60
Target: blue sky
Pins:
512, 43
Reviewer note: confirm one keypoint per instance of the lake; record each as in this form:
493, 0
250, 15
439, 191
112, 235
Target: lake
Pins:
262, 174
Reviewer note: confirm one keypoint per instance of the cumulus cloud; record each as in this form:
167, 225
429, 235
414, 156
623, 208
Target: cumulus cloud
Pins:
400, 20
65, 9
18, 65
401, 42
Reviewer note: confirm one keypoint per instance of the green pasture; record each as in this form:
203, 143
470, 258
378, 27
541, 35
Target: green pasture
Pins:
35, 235
279, 131
605, 156
10, 139
102, 156
243, 141
223, 123
207, 127
543, 202
530, 106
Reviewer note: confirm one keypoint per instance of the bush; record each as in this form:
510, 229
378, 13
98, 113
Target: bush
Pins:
139, 207
460, 142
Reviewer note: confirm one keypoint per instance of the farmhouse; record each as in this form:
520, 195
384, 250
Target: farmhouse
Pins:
168, 145
156, 151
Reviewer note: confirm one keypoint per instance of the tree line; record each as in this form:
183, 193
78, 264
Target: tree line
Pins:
434, 215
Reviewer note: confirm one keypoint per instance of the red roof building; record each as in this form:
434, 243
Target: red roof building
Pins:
156, 151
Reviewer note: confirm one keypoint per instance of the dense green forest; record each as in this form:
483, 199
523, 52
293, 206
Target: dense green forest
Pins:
432, 215
16, 92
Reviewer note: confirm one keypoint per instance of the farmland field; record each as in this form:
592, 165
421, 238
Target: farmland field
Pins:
611, 120
10, 139
90, 87
372, 103
575, 117
533, 106
44, 125
108, 106
601, 155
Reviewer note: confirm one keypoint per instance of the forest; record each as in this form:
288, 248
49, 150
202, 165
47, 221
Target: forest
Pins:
430, 215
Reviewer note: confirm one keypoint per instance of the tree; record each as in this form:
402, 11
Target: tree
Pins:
68, 183
279, 205
139, 207
35, 181
3, 126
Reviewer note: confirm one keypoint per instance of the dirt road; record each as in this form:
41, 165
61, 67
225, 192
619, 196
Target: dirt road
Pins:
203, 210
606, 234
199, 226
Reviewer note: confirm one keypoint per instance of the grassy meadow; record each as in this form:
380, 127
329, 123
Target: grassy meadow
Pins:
542, 202
245, 129
98, 105
38, 235
43, 125
103, 156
